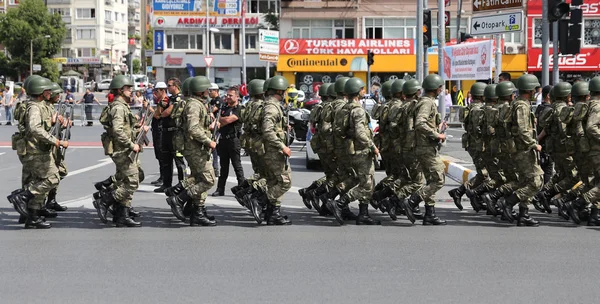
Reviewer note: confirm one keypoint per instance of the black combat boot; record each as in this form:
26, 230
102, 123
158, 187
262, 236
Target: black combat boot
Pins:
544, 197
304, 194
176, 202
188, 208
274, 217
124, 220
573, 208
382, 194
162, 188
474, 196
256, 202
337, 206
348, 215
51, 202
363, 215
239, 196
594, 220
106, 200
157, 182
507, 205
172, 191
103, 185
198, 219
412, 204
35, 221
203, 210
48, 213
457, 194
133, 213
325, 197
314, 197
430, 217
524, 219
390, 205
20, 199
490, 199
244, 184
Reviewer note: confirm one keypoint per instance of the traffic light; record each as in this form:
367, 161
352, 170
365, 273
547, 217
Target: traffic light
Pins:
427, 41
370, 56
569, 33
463, 37
557, 9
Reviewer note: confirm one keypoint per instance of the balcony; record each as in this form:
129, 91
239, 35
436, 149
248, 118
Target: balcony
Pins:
68, 40
59, 1
320, 3
134, 4
134, 23
109, 24
66, 19
108, 2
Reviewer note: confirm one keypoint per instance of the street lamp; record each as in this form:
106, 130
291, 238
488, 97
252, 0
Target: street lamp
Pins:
208, 30
31, 53
112, 70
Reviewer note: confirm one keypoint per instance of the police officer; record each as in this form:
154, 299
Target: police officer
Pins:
215, 105
229, 146
169, 154
160, 95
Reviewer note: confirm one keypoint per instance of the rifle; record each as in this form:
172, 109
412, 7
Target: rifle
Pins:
141, 138
287, 136
443, 130
65, 134
56, 128
215, 135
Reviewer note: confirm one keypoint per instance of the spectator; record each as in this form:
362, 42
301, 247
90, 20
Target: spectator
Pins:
504, 76
215, 103
8, 105
469, 98
22, 95
159, 95
538, 95
229, 143
137, 100
88, 100
149, 92
448, 100
69, 98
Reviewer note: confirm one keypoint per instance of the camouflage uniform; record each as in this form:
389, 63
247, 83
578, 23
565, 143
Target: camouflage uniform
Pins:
593, 134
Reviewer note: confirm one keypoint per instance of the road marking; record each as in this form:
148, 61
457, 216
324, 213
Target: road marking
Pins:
103, 162
2, 153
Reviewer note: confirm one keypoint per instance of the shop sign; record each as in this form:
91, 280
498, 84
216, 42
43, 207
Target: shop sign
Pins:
587, 60
171, 60
346, 46
83, 60
200, 22
183, 7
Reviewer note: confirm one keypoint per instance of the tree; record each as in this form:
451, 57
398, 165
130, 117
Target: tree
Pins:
272, 20
32, 21
5, 69
50, 69
137, 66
149, 43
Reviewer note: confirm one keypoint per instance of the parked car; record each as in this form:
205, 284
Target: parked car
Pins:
104, 84
140, 81
312, 159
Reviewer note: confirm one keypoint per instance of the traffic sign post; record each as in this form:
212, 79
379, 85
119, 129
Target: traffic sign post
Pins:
486, 6
268, 45
208, 60
497, 24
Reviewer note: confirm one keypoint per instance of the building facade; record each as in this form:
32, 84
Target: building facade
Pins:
323, 40
181, 42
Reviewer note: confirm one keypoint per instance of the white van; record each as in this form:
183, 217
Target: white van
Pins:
140, 81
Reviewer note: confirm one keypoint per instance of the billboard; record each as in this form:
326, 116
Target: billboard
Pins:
468, 61
346, 46
196, 7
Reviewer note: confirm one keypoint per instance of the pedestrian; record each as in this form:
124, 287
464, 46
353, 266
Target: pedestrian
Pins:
469, 98
138, 100
228, 147
69, 98
88, 100
215, 104
159, 95
8, 105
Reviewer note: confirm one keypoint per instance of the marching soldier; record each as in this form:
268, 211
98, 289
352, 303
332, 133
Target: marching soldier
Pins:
427, 122
198, 145
351, 126
34, 147
119, 142
473, 142
51, 203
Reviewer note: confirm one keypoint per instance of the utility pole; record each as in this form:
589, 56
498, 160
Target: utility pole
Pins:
545, 44
441, 43
244, 42
420, 50
555, 69
425, 51
498, 58
207, 53
458, 16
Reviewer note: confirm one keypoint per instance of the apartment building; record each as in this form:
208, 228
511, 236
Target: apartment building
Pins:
388, 27
181, 42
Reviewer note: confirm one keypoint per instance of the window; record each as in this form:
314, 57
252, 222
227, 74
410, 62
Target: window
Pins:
86, 34
591, 32
108, 36
123, 17
374, 28
65, 52
222, 42
13, 2
86, 52
181, 41
322, 28
262, 6
60, 11
464, 26
251, 41
107, 15
116, 17
123, 37
86, 13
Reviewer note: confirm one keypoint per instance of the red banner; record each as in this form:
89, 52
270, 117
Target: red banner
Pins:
346, 46
587, 60
590, 8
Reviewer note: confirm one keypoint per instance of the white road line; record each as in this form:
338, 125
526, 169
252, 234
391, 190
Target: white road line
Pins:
103, 162
2, 153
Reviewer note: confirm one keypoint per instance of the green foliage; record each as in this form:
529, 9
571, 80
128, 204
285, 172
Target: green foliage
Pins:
5, 68
149, 43
31, 20
137, 66
49, 69
272, 20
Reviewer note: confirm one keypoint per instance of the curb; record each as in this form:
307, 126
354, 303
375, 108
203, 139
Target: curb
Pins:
457, 172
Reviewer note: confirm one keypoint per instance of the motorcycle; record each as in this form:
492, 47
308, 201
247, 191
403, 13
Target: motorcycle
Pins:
298, 124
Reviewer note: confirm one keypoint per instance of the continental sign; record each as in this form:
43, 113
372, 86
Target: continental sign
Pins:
344, 63
346, 46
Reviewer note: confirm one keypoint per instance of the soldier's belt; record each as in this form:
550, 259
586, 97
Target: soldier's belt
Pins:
171, 129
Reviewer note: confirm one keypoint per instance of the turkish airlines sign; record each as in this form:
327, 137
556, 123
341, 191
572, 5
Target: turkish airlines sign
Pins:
588, 60
346, 46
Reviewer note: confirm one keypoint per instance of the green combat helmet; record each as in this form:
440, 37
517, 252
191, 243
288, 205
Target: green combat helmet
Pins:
17, 89
266, 85
119, 82
278, 83
185, 87
256, 87
595, 85
478, 89
29, 79
56, 89
397, 86
562, 90
527, 82
199, 84
37, 86
411, 87
551, 94
353, 86
490, 92
505, 88
331, 91
323, 90
580, 88
432, 82
340, 85
386, 89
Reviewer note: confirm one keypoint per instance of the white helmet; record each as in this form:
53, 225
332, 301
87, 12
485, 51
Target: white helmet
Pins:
300, 96
160, 85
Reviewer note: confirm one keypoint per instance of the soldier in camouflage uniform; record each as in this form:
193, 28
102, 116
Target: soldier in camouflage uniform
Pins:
351, 127
198, 143
34, 147
576, 208
523, 154
119, 142
473, 142
560, 146
542, 111
427, 122
278, 175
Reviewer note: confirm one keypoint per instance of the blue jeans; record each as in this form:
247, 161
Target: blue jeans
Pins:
8, 111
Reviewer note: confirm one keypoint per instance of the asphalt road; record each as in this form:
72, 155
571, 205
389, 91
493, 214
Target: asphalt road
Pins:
474, 259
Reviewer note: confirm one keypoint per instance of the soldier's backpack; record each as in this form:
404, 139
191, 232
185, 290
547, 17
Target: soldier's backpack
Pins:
463, 112
341, 122
105, 119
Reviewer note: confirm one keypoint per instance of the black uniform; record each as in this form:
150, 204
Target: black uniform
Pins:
167, 149
229, 147
216, 102
156, 140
